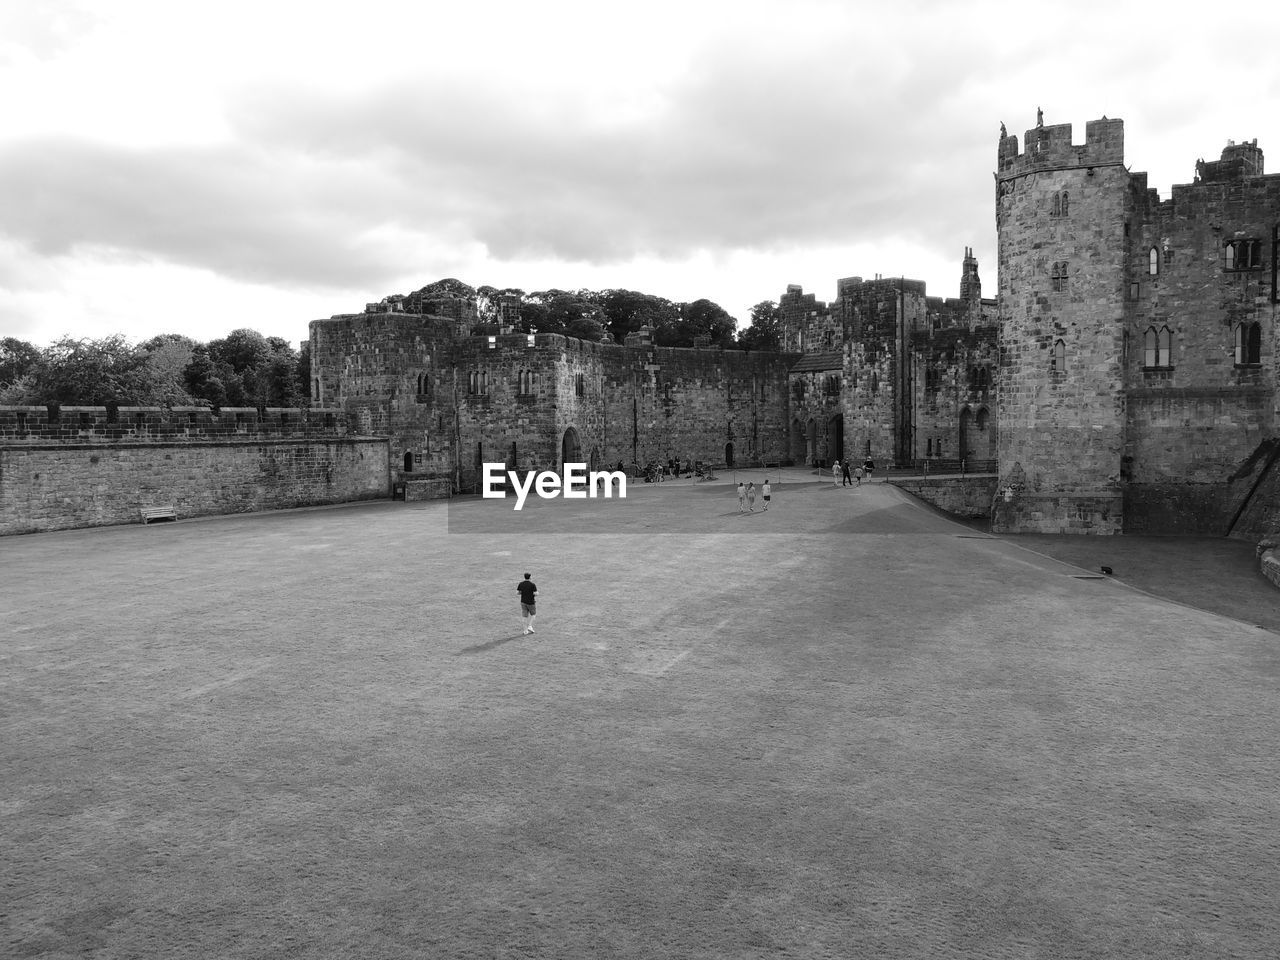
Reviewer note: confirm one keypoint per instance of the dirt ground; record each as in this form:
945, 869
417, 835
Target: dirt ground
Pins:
845, 728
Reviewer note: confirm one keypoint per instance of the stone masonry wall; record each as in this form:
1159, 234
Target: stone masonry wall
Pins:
961, 496
955, 392
636, 405
391, 374
92, 466
1195, 411
1062, 275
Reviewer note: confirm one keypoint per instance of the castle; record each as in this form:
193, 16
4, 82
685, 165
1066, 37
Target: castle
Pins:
885, 371
1123, 379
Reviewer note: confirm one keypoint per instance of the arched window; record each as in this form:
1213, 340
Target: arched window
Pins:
1066, 203
1056, 210
1153, 259
1060, 356
1248, 343
1157, 347
1243, 254
983, 417
1059, 275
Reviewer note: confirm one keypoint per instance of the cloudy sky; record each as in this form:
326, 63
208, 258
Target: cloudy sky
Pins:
193, 168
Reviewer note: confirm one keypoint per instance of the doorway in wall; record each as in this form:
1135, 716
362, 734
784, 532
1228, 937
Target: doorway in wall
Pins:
570, 448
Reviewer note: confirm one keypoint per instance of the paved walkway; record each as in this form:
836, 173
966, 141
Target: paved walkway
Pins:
847, 727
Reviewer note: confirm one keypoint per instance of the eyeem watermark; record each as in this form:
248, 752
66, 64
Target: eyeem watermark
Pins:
577, 483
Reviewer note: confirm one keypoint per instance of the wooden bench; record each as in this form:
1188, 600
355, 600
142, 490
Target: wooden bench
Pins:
158, 513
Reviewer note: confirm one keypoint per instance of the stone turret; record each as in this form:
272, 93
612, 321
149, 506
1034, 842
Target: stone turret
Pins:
1060, 220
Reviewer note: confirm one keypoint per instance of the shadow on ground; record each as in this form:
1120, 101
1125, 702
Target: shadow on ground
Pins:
1209, 573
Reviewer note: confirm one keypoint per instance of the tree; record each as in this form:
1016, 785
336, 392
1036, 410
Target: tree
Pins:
304, 372
204, 380
702, 318
241, 349
765, 332
93, 372
17, 358
626, 311
246, 369
571, 313
165, 360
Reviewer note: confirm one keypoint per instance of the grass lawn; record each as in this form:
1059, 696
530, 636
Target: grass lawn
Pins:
845, 728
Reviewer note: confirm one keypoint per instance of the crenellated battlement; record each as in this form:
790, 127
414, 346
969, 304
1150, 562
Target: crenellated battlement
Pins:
85, 424
1049, 147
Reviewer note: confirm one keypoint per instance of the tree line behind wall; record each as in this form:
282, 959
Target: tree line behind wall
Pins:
242, 369
246, 369
589, 314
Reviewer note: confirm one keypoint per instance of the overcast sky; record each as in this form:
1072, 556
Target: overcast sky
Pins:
194, 168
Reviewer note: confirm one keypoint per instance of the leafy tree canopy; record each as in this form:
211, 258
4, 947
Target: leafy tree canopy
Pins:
17, 358
702, 318
765, 332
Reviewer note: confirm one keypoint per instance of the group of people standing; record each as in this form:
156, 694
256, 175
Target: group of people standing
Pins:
840, 473
747, 495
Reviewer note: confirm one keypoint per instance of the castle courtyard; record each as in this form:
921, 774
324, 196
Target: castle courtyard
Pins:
848, 727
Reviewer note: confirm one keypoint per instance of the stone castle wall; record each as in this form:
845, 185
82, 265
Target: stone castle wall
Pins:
90, 466
1196, 410
955, 393
620, 404
390, 372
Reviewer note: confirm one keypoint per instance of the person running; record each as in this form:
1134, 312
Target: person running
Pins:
835, 473
742, 497
527, 589
751, 497
766, 492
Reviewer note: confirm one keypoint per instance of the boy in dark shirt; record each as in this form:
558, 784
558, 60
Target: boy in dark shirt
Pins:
527, 588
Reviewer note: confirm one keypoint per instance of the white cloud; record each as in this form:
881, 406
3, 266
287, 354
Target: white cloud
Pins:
275, 151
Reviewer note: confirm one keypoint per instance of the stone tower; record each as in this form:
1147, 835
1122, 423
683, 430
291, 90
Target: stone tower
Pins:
1060, 224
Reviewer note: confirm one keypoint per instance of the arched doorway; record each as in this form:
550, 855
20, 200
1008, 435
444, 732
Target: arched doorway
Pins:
811, 448
570, 448
983, 441
728, 455
835, 437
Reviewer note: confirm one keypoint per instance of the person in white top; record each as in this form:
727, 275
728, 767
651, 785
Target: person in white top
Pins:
766, 492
